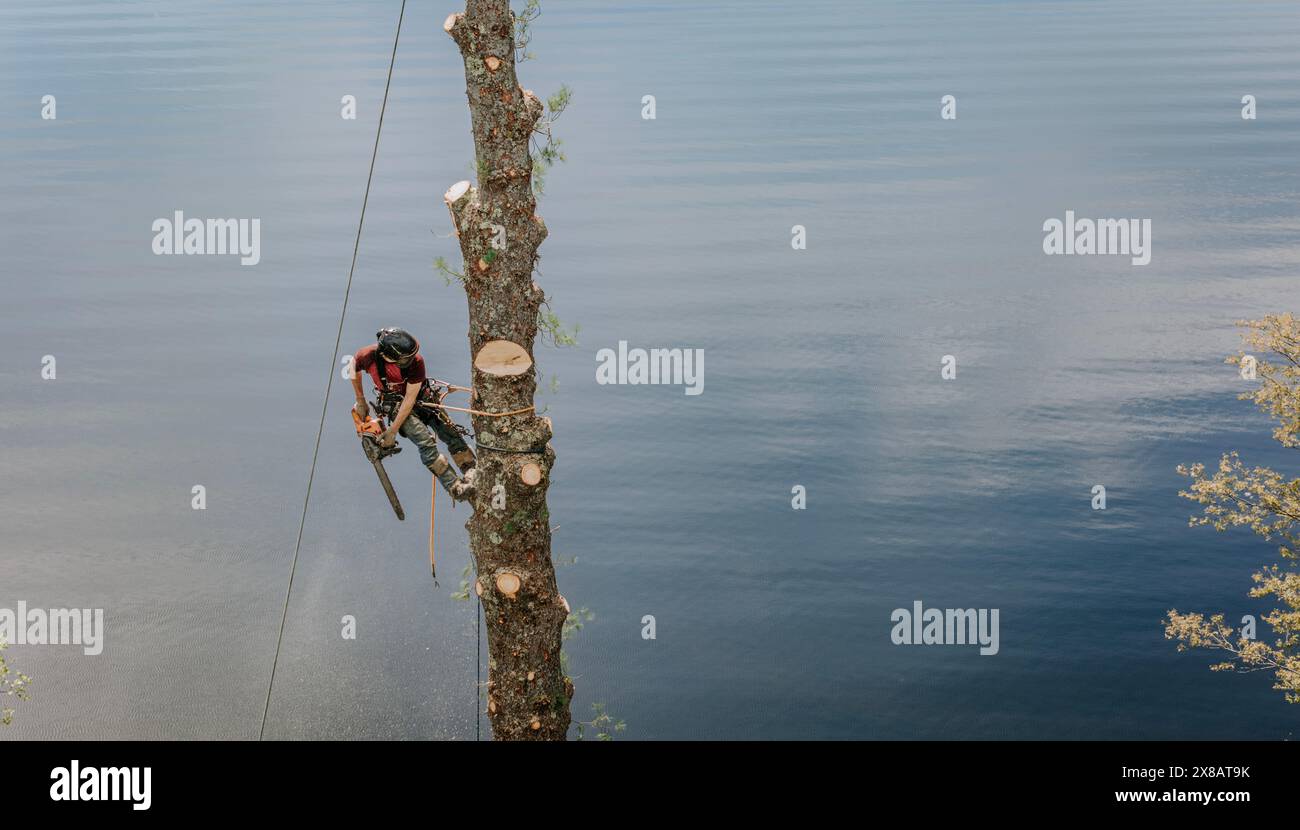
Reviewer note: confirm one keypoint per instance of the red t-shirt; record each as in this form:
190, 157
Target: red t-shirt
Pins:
394, 377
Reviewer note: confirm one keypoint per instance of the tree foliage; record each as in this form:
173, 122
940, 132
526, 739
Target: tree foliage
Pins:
1264, 500
13, 686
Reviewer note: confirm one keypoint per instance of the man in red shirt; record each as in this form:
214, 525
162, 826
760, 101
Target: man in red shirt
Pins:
397, 370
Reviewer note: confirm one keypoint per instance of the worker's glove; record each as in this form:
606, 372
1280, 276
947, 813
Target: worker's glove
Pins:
363, 409
388, 439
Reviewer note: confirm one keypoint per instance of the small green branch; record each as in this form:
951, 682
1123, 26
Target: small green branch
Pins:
440, 265
462, 594
603, 724
523, 29
574, 622
14, 686
553, 329
548, 150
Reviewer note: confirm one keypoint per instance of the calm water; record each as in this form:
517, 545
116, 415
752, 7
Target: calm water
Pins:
822, 365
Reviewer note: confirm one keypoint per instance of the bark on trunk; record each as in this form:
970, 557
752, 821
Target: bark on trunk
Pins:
527, 693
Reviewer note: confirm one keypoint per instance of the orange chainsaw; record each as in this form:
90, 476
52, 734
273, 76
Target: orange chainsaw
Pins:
371, 430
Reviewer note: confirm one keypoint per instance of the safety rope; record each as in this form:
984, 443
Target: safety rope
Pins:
528, 408
338, 338
451, 387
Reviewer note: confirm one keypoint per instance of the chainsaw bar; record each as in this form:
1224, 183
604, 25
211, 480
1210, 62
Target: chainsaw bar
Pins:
377, 454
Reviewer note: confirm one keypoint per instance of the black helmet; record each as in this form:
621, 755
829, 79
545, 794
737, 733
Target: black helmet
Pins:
395, 344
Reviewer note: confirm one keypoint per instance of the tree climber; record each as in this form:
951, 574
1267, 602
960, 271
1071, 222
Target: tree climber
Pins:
404, 390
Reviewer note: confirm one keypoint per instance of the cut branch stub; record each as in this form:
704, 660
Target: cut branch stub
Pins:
457, 198
478, 588
502, 358
456, 191
508, 584
530, 474
493, 63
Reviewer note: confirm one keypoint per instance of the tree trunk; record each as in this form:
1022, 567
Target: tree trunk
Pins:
509, 533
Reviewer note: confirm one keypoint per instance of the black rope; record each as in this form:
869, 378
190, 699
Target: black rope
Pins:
338, 338
477, 443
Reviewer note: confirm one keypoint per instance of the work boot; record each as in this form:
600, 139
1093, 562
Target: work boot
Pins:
459, 488
464, 488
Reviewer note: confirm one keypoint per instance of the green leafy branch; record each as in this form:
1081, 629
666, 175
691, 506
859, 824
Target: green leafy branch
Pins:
14, 687
448, 273
552, 329
462, 594
546, 152
574, 622
603, 724
524, 29
546, 148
